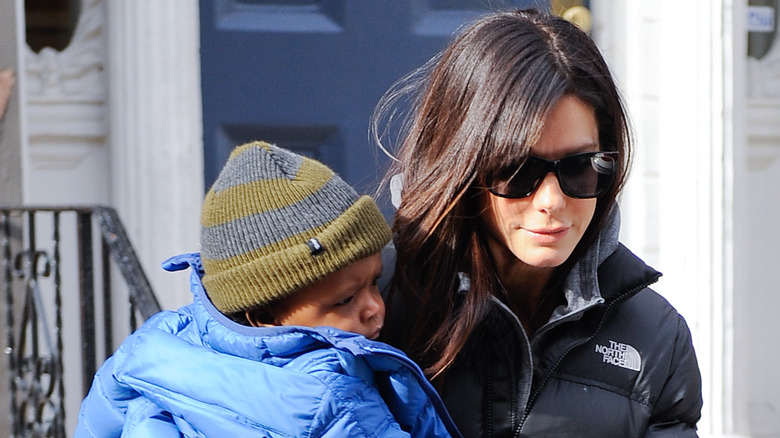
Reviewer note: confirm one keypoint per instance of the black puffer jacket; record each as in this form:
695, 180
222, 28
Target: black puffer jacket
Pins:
620, 366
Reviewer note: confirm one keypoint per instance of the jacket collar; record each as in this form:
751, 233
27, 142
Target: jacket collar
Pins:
606, 271
581, 287
624, 273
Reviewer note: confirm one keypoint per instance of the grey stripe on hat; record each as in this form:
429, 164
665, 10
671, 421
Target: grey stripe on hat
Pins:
258, 164
322, 207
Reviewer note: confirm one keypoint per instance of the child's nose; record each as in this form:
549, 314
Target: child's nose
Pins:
373, 304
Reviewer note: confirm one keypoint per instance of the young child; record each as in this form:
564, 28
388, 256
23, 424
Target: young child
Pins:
277, 340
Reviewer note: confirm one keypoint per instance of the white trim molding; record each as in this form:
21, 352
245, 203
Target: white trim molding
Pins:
66, 113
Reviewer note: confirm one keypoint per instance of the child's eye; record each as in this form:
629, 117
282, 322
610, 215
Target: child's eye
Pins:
345, 301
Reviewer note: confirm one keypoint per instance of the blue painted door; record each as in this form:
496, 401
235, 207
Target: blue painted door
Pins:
306, 74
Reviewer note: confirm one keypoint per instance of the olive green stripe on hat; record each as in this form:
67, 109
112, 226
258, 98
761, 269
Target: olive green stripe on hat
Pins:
226, 263
274, 225
271, 273
264, 194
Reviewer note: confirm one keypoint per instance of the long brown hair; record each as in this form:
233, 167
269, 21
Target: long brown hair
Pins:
480, 106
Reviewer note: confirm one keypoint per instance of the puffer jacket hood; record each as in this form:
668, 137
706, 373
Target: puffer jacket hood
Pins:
197, 373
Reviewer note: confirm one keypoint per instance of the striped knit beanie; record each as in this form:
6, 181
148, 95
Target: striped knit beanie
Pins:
275, 221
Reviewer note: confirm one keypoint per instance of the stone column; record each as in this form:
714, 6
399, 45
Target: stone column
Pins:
156, 132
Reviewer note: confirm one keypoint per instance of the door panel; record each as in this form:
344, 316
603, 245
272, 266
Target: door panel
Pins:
306, 74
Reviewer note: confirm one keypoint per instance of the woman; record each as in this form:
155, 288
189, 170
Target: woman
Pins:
510, 286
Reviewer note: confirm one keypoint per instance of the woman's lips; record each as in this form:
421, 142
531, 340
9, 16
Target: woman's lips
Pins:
547, 235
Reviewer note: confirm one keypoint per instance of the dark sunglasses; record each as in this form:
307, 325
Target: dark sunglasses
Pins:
585, 175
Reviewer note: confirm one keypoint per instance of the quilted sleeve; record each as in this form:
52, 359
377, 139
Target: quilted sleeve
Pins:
678, 407
146, 419
104, 410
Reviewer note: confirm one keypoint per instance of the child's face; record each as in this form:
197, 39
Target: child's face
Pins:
347, 299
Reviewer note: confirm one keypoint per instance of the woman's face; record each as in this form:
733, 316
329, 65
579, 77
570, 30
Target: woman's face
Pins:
542, 230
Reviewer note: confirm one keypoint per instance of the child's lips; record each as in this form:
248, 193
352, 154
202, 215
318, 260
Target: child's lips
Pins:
375, 334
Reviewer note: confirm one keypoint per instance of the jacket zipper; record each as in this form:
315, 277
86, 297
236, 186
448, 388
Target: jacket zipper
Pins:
549, 373
526, 342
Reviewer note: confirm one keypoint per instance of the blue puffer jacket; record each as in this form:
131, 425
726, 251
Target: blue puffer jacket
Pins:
195, 373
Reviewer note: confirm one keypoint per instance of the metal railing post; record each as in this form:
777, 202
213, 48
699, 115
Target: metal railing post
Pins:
33, 283
87, 299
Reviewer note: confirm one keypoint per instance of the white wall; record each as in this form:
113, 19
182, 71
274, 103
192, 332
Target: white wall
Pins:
12, 134
702, 204
12, 129
760, 280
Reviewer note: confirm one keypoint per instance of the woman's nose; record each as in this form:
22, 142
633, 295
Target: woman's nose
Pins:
549, 196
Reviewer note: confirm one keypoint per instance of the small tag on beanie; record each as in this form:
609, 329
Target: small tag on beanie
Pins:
315, 246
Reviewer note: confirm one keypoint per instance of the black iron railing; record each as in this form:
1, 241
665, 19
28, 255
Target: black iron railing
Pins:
63, 309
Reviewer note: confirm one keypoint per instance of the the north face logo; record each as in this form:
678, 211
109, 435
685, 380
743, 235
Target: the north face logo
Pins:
622, 355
